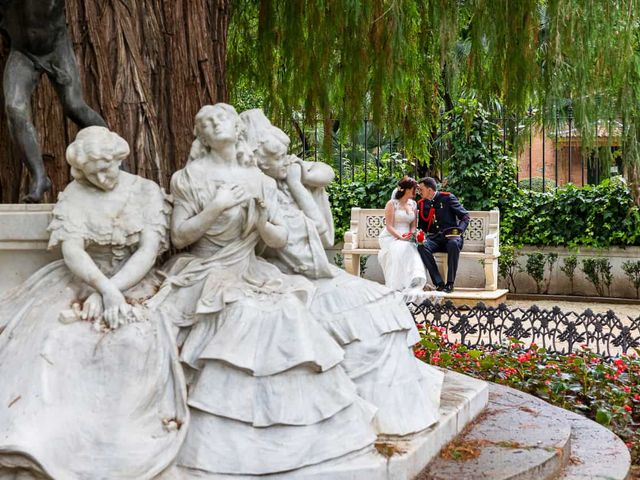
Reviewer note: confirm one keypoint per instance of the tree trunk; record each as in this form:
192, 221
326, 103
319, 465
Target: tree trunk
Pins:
147, 67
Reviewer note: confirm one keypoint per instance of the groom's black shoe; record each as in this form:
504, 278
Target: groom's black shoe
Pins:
440, 287
448, 288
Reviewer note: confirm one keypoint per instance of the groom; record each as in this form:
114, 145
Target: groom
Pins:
444, 220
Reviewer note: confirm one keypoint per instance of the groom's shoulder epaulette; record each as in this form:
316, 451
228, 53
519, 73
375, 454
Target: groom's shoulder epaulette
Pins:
445, 193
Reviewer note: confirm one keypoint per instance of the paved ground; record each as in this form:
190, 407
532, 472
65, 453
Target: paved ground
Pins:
622, 311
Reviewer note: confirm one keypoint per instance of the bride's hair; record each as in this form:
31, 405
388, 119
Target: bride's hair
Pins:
405, 183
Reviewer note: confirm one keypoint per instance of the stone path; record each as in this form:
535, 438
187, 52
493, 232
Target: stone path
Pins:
622, 311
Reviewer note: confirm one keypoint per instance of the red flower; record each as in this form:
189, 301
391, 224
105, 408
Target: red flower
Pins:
626, 389
628, 408
420, 236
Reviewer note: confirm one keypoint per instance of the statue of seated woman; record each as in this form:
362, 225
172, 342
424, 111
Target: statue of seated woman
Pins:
91, 385
372, 324
267, 391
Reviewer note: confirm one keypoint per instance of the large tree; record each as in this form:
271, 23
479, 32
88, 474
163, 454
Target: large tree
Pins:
148, 65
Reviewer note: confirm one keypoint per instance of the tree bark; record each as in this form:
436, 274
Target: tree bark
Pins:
147, 67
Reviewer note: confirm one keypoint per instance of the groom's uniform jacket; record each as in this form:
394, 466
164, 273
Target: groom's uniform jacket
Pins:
444, 220
442, 214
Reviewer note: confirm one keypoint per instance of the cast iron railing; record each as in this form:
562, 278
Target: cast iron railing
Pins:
555, 330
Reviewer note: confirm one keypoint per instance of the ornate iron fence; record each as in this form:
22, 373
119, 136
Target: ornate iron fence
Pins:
555, 330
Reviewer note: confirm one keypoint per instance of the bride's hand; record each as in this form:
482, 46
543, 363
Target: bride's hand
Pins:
406, 236
92, 307
227, 197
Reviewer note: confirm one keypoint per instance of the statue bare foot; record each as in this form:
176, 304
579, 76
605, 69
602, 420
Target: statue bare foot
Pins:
38, 187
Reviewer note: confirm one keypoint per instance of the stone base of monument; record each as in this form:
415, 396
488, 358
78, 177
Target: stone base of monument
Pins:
393, 458
470, 297
521, 437
23, 242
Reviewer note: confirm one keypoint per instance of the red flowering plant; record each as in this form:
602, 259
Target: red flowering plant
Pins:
604, 390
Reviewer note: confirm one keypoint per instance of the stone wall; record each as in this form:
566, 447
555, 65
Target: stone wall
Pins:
471, 273
560, 285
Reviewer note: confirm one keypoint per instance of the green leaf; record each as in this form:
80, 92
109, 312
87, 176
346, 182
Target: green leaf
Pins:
603, 417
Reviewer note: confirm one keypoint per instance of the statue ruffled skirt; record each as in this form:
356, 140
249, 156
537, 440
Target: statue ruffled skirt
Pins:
267, 391
374, 327
77, 403
377, 331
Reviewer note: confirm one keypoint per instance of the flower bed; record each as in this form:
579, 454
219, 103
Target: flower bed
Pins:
605, 391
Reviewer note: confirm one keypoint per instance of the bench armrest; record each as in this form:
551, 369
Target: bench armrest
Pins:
351, 240
492, 244
351, 235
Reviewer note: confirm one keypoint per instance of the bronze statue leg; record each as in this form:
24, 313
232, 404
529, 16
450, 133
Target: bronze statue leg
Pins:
70, 92
20, 79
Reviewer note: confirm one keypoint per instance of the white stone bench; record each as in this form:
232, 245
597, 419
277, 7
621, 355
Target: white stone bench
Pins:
481, 241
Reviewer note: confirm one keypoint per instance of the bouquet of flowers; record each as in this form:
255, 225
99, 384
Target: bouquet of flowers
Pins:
417, 237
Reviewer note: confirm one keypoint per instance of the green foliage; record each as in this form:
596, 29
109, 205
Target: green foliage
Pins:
598, 271
478, 173
535, 184
508, 266
344, 196
605, 391
632, 271
401, 61
534, 267
601, 215
568, 267
552, 258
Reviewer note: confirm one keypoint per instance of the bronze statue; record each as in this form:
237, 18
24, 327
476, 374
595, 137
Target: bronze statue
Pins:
40, 43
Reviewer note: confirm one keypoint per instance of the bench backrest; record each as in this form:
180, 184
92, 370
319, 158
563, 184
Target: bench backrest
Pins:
369, 222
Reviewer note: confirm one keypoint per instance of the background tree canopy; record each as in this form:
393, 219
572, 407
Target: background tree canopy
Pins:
149, 64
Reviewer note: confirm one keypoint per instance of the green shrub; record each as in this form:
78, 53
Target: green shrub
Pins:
508, 266
344, 196
598, 272
536, 184
535, 268
568, 267
478, 172
552, 258
601, 216
632, 271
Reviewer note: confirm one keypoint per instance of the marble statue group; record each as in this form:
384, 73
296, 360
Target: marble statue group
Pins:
246, 353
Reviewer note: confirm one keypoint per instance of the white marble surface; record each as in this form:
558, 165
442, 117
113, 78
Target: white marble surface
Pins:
293, 367
463, 398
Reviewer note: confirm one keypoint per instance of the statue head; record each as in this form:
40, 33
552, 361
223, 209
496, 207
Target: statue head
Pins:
95, 156
218, 127
269, 144
217, 124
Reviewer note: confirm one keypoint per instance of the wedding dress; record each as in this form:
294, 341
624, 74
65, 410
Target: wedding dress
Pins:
399, 259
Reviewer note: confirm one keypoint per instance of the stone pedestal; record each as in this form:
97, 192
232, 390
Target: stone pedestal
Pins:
399, 458
23, 242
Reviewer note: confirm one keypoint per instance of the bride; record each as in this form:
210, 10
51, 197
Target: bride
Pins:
399, 258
